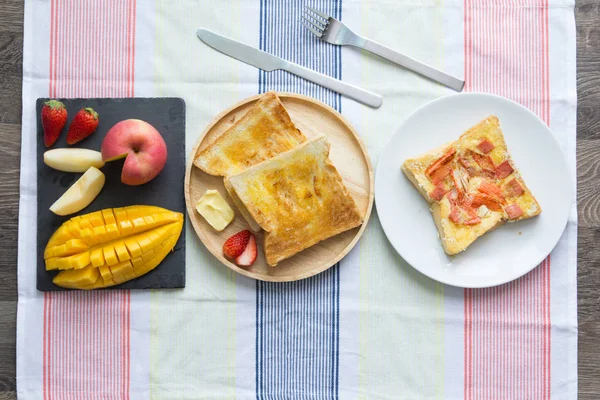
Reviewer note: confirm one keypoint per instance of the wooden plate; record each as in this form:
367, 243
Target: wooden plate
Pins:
347, 153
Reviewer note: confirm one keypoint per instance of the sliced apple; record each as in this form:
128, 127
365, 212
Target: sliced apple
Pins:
73, 160
80, 194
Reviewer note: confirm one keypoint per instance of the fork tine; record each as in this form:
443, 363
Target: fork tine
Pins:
310, 28
315, 22
319, 13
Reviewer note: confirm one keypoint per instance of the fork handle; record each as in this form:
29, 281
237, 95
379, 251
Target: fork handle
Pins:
343, 88
414, 65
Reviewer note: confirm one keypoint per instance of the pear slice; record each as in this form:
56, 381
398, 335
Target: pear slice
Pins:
73, 160
80, 194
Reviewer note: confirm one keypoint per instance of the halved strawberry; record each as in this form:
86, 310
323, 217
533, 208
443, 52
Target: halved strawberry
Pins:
248, 257
235, 245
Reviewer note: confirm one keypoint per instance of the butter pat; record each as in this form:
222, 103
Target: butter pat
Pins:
215, 210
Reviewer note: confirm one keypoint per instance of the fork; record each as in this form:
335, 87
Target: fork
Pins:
336, 32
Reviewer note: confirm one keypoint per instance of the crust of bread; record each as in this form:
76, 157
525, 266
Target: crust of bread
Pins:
240, 206
265, 131
298, 198
456, 238
414, 169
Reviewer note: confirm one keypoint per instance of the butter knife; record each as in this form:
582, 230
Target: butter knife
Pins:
269, 62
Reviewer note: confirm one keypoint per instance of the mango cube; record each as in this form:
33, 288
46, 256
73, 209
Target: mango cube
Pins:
109, 217
110, 257
105, 272
113, 231
121, 251
101, 234
126, 227
97, 257
96, 219
80, 260
120, 214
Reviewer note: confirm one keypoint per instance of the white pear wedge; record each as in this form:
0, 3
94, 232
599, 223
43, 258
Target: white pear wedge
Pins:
80, 194
73, 160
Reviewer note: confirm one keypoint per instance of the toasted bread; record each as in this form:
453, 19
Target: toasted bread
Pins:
472, 186
240, 206
298, 198
263, 132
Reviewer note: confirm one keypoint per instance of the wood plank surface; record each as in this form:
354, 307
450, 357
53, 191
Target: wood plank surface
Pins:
588, 176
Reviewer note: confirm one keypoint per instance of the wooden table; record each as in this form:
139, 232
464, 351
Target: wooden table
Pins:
588, 181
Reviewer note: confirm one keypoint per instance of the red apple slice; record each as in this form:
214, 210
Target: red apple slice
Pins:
142, 144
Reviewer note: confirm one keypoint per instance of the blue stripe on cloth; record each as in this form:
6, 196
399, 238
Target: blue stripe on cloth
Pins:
297, 323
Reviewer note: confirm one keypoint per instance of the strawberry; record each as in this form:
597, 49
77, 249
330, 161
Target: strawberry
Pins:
235, 245
54, 118
83, 125
248, 257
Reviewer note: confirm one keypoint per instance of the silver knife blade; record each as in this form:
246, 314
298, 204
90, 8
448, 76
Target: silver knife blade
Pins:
269, 62
240, 51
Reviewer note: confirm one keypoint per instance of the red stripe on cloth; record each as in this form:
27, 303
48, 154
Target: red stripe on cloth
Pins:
507, 332
86, 335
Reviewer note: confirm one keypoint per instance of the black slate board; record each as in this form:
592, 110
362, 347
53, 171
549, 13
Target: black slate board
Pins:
167, 115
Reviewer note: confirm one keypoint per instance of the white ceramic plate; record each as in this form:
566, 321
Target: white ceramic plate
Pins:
504, 254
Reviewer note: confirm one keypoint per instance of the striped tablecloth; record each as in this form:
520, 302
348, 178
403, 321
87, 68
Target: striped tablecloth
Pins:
369, 328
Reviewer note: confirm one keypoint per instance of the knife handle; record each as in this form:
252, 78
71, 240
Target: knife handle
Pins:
353, 92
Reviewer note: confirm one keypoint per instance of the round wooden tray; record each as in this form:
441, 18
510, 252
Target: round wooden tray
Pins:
347, 153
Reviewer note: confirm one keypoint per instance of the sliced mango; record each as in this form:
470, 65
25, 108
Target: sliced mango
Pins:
75, 278
138, 263
126, 227
79, 261
133, 247
87, 235
112, 231
121, 251
109, 217
101, 234
109, 255
97, 257
147, 256
61, 235
105, 272
163, 250
96, 219
84, 223
111, 246
51, 264
120, 214
73, 228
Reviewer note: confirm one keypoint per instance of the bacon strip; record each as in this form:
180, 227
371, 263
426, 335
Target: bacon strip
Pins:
438, 193
485, 146
463, 216
504, 169
440, 174
485, 162
441, 161
486, 200
514, 211
514, 189
491, 189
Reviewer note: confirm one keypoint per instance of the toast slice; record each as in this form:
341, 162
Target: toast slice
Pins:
298, 198
240, 206
472, 186
263, 132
